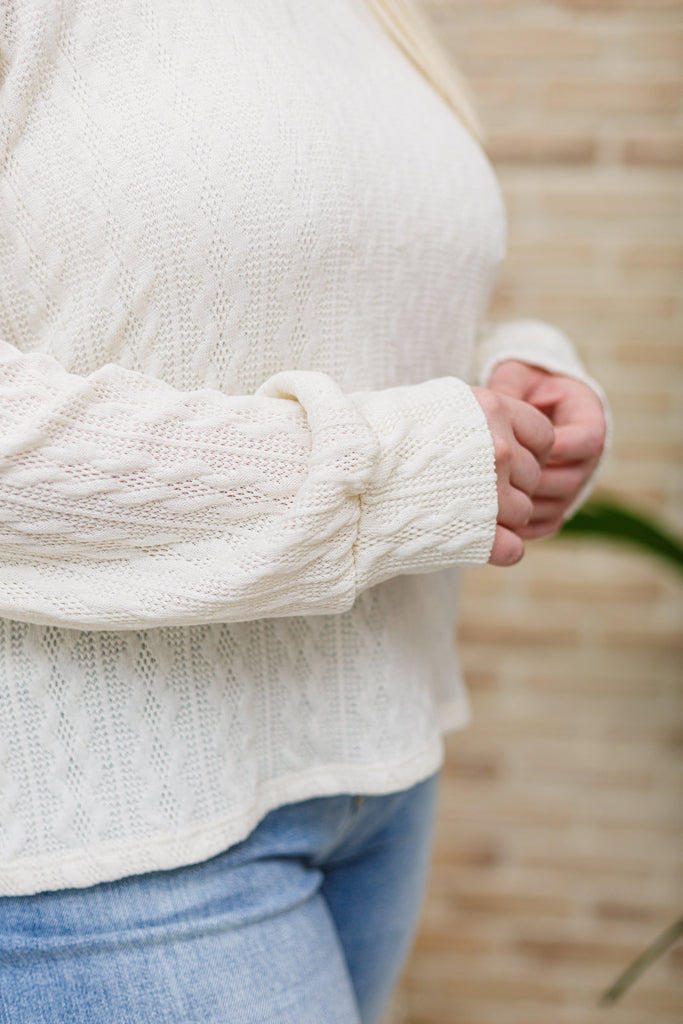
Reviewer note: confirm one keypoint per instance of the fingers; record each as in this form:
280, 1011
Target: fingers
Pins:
546, 519
571, 405
513, 378
579, 442
535, 531
557, 490
531, 384
532, 429
515, 508
559, 429
511, 419
562, 482
508, 547
522, 439
526, 473
545, 510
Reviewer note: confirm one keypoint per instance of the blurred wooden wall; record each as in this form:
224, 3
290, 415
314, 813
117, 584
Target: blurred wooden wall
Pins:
560, 845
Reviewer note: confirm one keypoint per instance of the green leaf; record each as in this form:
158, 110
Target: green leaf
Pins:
618, 522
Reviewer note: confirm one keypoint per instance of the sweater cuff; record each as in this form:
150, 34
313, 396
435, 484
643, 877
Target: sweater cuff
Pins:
432, 500
528, 341
539, 344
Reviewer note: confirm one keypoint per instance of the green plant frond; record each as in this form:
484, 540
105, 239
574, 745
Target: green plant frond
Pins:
615, 521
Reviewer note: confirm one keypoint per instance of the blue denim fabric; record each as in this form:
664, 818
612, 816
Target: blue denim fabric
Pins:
305, 922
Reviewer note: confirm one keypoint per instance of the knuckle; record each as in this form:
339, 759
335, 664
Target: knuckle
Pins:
503, 451
495, 402
490, 401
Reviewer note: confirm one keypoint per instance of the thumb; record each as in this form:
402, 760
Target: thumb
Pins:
512, 378
548, 392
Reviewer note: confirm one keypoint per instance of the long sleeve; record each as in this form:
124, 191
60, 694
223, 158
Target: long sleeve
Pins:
126, 503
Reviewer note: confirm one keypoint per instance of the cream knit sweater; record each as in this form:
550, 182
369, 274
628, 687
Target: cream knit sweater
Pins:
244, 251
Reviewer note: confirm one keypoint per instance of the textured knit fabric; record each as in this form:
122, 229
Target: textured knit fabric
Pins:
244, 253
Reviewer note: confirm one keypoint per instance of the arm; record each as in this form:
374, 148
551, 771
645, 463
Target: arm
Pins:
127, 504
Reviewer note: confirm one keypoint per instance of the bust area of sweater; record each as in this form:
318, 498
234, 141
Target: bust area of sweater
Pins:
219, 192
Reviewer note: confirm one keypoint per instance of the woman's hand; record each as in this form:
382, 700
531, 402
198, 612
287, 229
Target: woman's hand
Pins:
522, 440
578, 419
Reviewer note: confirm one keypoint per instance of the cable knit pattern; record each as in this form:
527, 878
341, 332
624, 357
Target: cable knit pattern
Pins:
244, 250
217, 508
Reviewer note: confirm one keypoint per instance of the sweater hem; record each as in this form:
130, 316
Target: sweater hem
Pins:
192, 846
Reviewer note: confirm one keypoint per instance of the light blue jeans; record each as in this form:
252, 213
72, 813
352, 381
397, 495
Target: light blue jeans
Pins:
307, 921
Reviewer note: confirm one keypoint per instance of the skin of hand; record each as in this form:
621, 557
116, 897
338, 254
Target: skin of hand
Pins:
522, 440
578, 420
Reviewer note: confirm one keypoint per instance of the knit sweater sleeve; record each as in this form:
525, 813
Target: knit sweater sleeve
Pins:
125, 503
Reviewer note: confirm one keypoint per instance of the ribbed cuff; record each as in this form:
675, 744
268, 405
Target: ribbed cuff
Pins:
432, 500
